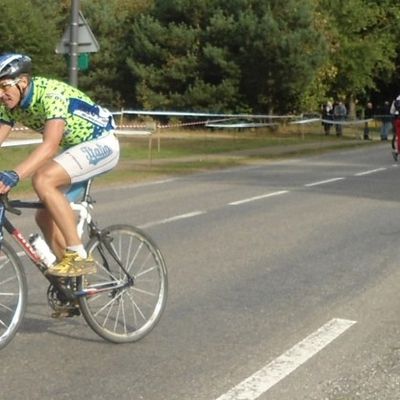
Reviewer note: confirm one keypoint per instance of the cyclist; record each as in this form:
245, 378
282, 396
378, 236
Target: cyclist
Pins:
78, 144
395, 112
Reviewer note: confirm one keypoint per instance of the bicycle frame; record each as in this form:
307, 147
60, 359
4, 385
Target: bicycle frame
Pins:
17, 235
84, 218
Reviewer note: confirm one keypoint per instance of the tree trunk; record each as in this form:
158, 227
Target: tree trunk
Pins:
352, 108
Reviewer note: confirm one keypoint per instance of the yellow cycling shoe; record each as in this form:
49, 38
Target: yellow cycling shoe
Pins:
73, 265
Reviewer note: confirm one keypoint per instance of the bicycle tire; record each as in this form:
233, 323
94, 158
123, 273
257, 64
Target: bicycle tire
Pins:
128, 314
13, 293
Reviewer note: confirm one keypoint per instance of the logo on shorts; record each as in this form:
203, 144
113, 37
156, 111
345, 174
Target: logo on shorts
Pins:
96, 154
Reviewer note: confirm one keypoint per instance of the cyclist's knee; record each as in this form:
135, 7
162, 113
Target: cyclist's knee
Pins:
41, 179
50, 176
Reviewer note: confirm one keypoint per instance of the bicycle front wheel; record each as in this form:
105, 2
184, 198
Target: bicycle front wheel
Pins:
118, 308
13, 293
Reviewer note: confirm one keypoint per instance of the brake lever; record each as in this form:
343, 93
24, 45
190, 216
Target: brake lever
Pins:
7, 205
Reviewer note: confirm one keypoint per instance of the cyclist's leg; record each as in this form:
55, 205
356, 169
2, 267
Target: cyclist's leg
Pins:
395, 139
47, 182
44, 220
51, 233
397, 133
78, 163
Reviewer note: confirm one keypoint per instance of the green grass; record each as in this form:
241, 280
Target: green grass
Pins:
185, 152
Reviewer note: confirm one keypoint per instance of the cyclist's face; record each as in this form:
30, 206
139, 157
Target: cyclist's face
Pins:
9, 92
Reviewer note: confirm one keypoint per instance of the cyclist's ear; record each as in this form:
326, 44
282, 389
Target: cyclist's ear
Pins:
24, 81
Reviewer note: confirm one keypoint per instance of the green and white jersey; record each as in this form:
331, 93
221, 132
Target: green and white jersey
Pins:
48, 99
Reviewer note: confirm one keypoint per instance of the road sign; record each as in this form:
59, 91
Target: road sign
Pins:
83, 61
87, 43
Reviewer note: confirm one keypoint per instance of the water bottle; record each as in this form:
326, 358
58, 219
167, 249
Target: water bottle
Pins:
42, 249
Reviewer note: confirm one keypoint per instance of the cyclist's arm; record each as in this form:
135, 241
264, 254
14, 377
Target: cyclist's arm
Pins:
52, 135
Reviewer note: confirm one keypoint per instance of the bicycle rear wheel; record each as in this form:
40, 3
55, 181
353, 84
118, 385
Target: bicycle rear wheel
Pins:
120, 311
13, 293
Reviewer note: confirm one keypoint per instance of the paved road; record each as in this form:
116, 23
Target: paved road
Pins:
283, 285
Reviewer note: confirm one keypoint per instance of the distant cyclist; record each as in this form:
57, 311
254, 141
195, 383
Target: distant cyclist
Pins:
78, 144
395, 111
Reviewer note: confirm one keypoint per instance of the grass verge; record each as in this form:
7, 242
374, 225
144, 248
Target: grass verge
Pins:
173, 153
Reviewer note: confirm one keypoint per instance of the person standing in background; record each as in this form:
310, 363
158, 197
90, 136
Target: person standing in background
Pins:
327, 116
339, 114
386, 119
368, 114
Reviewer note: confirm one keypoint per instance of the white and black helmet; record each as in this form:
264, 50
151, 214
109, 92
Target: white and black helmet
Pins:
13, 65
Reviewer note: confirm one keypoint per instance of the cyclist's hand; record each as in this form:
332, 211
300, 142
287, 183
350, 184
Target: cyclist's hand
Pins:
8, 179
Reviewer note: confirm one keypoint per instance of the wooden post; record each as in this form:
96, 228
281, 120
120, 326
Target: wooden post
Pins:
121, 117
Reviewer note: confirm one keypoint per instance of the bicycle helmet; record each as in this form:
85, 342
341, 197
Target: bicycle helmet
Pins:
14, 65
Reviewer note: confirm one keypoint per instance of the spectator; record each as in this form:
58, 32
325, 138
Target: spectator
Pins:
339, 114
368, 114
386, 119
327, 116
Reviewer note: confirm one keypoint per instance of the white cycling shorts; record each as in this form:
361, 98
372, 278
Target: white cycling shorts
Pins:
89, 159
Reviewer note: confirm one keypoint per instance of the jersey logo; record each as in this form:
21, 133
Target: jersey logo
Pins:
97, 153
90, 112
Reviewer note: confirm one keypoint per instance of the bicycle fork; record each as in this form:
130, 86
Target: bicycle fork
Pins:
106, 240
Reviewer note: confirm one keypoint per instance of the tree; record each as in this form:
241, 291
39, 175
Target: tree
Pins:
107, 79
362, 44
30, 27
215, 55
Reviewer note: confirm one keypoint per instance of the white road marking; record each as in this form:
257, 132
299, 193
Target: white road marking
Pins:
323, 182
171, 219
263, 196
261, 381
371, 171
22, 142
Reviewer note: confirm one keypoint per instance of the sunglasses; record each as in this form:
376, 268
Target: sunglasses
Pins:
5, 85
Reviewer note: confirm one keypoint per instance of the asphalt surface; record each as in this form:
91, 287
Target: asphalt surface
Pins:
263, 261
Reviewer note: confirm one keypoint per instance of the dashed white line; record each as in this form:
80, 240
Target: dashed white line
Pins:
263, 196
171, 219
261, 381
324, 182
371, 171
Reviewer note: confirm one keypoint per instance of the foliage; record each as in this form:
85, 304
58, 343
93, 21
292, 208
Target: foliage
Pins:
29, 26
362, 43
258, 56
230, 56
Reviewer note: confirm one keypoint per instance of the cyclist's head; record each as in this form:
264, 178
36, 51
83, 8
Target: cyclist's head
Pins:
15, 70
14, 65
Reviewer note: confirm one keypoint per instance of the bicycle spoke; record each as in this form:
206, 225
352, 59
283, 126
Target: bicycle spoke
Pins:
11, 278
119, 304
137, 308
151, 269
135, 257
5, 307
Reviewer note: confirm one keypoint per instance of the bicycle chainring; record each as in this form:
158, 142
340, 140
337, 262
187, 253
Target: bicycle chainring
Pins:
61, 306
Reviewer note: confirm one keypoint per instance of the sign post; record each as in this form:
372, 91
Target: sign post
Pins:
73, 42
78, 40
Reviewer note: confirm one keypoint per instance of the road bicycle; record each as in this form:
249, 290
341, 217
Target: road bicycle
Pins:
122, 302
